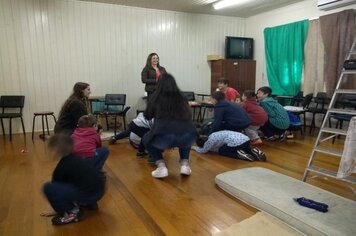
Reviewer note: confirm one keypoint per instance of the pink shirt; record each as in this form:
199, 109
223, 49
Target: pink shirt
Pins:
86, 140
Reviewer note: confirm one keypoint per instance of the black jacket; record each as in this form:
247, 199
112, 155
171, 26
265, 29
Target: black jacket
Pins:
230, 116
148, 77
68, 119
77, 172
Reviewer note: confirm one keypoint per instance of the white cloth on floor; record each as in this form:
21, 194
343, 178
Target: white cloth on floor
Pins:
293, 108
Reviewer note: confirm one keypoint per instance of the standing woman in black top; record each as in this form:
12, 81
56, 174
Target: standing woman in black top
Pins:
73, 108
151, 73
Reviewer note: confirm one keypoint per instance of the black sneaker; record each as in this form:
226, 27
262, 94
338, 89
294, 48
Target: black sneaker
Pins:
282, 137
67, 218
112, 140
258, 154
242, 155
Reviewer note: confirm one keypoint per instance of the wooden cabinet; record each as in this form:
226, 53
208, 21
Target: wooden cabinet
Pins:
240, 73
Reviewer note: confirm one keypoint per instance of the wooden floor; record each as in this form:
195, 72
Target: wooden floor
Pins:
137, 204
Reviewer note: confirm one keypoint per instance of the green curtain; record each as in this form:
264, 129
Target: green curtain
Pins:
284, 49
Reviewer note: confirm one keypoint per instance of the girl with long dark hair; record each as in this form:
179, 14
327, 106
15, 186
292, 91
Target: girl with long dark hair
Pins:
173, 126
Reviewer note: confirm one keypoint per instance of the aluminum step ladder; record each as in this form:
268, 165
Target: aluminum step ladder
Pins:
327, 133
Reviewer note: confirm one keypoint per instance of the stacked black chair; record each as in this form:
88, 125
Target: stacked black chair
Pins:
321, 102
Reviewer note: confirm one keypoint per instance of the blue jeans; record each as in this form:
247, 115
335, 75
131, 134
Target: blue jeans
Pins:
123, 134
164, 141
98, 160
62, 196
232, 151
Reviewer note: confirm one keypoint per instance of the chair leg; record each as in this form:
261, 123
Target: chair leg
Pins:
124, 120
199, 115
193, 113
107, 122
312, 125
23, 126
2, 126
115, 126
43, 128
55, 120
47, 125
203, 116
10, 129
33, 126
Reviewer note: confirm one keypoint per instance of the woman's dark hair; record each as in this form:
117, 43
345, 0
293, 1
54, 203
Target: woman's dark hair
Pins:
218, 95
266, 90
249, 94
76, 95
148, 62
201, 141
168, 101
61, 143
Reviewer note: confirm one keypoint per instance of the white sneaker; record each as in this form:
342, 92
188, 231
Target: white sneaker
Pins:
160, 172
185, 170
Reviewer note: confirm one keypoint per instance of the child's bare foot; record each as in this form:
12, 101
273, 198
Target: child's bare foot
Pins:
48, 213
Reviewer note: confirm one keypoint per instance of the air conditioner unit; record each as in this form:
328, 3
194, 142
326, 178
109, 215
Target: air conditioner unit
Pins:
326, 5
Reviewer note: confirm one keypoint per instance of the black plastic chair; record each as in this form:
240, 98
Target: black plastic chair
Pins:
321, 101
11, 103
300, 110
115, 105
203, 106
298, 99
192, 103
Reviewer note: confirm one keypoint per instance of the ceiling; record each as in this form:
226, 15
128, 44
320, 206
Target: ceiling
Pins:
244, 9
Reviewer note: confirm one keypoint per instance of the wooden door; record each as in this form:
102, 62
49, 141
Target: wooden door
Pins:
240, 73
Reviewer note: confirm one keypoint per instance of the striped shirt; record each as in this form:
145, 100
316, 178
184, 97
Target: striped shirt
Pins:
220, 138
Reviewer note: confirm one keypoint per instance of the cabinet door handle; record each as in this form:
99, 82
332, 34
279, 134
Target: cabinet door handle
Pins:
236, 63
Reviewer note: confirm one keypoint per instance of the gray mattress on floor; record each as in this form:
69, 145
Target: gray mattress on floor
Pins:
273, 193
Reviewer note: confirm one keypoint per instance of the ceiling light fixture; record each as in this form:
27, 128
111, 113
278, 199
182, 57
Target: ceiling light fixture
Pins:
227, 3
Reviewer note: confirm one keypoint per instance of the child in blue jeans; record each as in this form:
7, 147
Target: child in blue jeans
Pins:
231, 144
87, 142
75, 183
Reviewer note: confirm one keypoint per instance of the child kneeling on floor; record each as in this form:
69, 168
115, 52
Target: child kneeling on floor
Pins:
75, 183
278, 119
87, 142
229, 143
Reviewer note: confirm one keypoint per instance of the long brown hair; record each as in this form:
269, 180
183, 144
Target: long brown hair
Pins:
148, 62
77, 95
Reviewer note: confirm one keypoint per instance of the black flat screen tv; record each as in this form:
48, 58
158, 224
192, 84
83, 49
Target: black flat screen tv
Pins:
238, 48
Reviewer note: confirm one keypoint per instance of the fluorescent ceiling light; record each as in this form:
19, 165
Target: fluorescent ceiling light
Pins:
227, 3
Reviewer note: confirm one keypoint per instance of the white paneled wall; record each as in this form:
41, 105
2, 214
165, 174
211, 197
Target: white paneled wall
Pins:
48, 45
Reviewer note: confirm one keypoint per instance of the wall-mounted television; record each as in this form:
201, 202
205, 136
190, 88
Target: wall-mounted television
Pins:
238, 48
